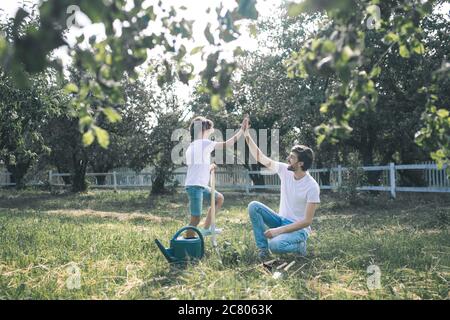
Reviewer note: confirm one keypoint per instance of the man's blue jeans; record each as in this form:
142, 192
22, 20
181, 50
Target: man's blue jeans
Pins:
262, 216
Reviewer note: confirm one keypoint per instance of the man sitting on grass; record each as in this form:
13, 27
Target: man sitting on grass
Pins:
289, 229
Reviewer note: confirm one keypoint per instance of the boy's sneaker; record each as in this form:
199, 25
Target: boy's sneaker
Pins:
208, 232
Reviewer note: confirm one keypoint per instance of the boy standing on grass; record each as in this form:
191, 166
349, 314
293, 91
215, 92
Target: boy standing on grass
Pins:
288, 230
198, 159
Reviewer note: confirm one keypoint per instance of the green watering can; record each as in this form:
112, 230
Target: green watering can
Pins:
181, 250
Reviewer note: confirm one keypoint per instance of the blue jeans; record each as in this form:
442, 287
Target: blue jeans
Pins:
262, 216
196, 195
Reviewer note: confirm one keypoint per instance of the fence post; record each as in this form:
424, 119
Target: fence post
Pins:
115, 181
339, 176
50, 177
392, 178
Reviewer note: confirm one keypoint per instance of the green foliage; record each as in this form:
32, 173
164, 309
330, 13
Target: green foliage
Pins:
435, 135
23, 115
120, 53
343, 56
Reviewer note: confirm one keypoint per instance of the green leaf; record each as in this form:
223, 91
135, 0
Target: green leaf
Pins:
208, 34
71, 88
328, 46
196, 50
102, 137
442, 113
404, 52
253, 30
247, 9
215, 101
375, 72
324, 108
238, 51
85, 121
21, 14
372, 10
112, 114
392, 37
88, 138
320, 139
294, 9
347, 53
419, 48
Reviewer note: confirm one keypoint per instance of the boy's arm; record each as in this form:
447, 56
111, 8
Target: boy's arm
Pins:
258, 154
230, 142
310, 211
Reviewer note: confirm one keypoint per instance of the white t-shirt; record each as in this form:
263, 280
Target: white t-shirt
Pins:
295, 194
198, 160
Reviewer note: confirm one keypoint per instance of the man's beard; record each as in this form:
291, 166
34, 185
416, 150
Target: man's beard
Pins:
290, 168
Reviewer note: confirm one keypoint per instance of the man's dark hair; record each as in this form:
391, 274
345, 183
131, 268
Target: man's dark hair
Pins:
304, 154
202, 122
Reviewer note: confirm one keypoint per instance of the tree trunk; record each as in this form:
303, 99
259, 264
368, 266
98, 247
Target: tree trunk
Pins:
79, 175
323, 176
18, 172
158, 186
373, 177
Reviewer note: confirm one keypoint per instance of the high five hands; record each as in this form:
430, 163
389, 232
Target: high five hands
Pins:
245, 124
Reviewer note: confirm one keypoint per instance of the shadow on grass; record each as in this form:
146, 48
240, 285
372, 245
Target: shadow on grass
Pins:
173, 206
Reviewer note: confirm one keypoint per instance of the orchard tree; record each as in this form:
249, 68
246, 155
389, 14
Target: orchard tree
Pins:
128, 139
24, 114
344, 56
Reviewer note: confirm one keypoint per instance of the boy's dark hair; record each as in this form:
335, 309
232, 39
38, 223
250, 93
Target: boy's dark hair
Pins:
304, 154
200, 121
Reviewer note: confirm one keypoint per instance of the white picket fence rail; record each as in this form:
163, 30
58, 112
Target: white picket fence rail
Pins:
436, 179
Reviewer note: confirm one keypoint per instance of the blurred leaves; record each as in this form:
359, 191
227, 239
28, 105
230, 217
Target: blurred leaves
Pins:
118, 55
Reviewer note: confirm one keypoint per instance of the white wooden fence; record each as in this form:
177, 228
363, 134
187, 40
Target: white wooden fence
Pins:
436, 179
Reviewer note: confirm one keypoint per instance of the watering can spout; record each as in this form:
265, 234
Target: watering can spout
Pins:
165, 252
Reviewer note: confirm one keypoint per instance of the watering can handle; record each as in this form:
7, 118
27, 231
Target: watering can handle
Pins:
197, 231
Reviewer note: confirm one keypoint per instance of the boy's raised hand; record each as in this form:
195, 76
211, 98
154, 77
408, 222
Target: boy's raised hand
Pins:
245, 123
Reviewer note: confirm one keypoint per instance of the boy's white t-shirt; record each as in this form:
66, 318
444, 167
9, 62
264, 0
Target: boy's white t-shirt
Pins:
198, 160
295, 194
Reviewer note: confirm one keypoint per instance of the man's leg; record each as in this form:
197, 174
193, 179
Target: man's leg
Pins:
262, 216
293, 242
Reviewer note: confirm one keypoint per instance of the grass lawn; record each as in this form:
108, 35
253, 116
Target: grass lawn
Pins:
110, 236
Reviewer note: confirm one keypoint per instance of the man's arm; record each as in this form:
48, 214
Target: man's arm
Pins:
310, 211
258, 154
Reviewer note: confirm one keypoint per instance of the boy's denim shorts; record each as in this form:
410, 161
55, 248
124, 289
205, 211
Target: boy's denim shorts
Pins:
196, 195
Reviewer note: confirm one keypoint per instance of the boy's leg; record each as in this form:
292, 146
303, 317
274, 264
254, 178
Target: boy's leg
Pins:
195, 195
219, 202
262, 216
292, 242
